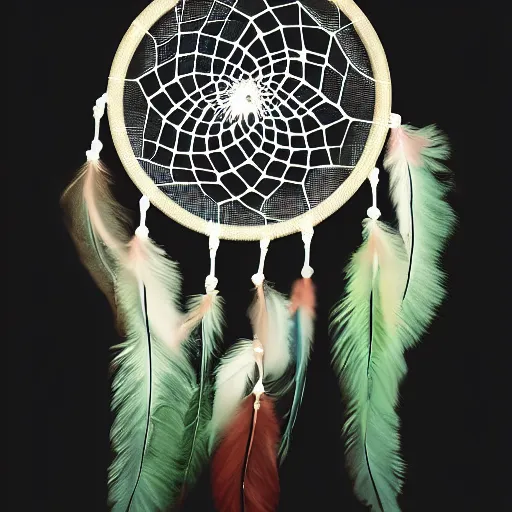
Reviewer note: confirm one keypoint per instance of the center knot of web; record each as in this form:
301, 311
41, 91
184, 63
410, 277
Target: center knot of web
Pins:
241, 100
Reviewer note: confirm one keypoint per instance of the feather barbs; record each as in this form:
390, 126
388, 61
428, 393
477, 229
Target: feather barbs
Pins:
406, 144
244, 469
270, 316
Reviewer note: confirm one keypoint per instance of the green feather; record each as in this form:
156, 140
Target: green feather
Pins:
194, 445
427, 220
152, 387
369, 363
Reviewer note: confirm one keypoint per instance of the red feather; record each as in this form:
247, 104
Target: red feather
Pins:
244, 468
303, 296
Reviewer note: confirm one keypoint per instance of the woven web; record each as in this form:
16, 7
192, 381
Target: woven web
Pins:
249, 112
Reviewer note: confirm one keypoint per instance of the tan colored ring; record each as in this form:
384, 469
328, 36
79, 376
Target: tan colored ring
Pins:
314, 216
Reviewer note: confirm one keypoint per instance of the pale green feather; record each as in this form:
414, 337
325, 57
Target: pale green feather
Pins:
152, 387
430, 221
211, 324
232, 375
194, 445
369, 363
195, 441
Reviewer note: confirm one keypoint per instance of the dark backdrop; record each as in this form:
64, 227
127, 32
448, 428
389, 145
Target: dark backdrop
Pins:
452, 414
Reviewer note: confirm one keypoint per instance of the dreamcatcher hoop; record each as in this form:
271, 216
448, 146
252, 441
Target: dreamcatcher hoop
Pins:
373, 147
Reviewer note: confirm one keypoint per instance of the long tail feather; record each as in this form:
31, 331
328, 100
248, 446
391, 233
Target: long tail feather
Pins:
244, 468
303, 309
197, 433
152, 386
97, 223
425, 219
369, 362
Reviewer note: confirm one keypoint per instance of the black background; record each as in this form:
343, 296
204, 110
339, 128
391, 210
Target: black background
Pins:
453, 414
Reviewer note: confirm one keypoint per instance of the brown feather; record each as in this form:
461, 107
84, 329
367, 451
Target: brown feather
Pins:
97, 224
244, 468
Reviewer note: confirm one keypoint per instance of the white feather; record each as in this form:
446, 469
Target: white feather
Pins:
163, 283
277, 348
400, 185
270, 318
232, 374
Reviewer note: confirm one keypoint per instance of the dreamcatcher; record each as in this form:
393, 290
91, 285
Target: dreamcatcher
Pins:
251, 120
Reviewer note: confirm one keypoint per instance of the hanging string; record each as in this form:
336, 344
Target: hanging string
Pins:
373, 212
211, 281
142, 231
259, 277
98, 110
307, 236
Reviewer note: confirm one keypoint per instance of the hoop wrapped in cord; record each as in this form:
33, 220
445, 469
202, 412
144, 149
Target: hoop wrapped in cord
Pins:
269, 183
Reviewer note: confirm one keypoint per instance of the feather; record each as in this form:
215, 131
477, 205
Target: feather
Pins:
303, 309
197, 432
208, 310
97, 224
244, 468
231, 380
270, 318
194, 446
369, 362
425, 220
152, 385
161, 278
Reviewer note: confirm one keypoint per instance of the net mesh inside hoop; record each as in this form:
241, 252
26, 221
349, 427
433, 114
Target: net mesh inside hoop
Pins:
250, 112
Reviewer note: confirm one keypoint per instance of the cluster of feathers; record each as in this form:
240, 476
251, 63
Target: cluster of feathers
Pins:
170, 419
394, 286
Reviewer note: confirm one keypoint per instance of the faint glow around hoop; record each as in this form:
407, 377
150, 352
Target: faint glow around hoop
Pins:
242, 99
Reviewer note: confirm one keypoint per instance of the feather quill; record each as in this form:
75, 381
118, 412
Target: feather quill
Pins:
97, 224
303, 310
152, 385
369, 362
426, 220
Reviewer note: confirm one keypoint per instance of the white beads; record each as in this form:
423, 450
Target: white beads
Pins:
210, 283
93, 154
395, 121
